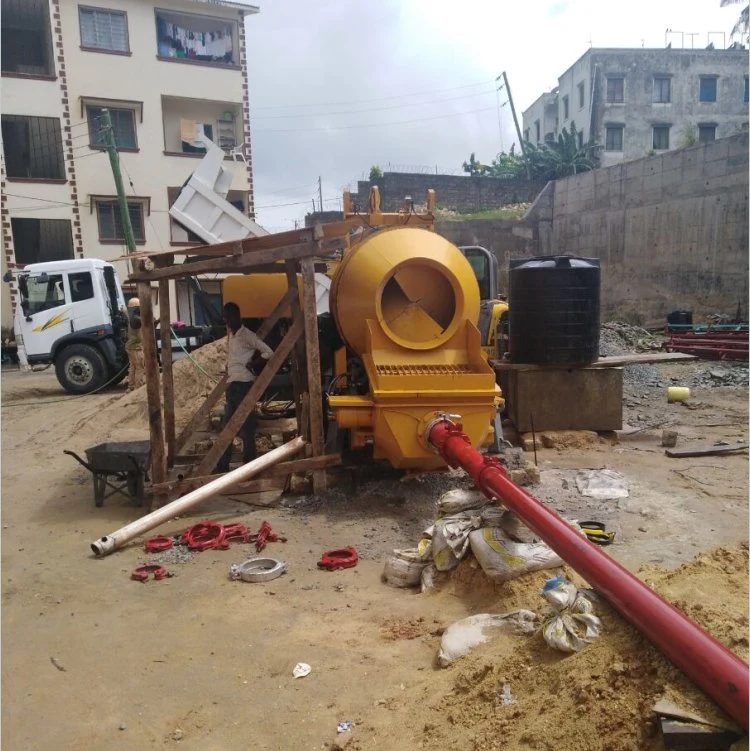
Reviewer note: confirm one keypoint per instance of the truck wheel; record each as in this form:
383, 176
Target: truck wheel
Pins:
81, 369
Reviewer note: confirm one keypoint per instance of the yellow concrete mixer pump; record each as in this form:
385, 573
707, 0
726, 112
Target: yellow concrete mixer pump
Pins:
406, 303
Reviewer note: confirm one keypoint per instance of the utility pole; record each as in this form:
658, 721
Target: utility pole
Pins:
114, 160
515, 121
320, 193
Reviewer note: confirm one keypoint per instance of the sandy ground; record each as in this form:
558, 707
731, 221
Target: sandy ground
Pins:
209, 661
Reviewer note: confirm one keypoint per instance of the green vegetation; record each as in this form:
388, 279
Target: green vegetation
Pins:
375, 173
509, 212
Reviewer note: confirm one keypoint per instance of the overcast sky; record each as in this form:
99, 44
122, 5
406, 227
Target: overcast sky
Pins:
321, 70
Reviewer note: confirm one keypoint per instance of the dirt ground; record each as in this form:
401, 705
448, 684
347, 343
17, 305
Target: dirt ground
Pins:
93, 660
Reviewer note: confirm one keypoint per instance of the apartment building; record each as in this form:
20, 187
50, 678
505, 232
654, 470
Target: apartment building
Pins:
168, 71
635, 102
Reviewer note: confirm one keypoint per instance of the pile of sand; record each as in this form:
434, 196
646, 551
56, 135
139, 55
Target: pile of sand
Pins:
597, 700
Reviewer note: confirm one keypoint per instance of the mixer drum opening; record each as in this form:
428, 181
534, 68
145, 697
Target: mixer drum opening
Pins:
417, 305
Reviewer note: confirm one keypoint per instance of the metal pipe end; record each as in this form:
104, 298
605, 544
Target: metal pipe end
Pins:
103, 546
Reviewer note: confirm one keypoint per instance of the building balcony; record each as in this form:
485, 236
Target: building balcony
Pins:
197, 39
187, 121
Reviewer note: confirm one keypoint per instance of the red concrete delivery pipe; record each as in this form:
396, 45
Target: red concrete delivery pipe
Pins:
716, 670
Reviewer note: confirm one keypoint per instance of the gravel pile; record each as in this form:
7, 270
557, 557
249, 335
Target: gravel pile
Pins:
618, 338
733, 375
177, 554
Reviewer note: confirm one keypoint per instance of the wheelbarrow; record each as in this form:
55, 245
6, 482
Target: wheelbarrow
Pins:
117, 466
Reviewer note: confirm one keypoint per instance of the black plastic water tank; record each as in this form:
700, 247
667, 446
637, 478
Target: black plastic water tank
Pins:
554, 310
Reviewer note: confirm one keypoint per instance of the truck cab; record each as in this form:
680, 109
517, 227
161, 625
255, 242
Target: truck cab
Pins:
71, 315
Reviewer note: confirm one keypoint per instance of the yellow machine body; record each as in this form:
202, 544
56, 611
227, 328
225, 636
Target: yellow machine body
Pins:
407, 302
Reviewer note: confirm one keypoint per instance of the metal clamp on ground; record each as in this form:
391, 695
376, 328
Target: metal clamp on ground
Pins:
258, 570
332, 560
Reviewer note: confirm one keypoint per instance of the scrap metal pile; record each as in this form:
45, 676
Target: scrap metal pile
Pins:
711, 342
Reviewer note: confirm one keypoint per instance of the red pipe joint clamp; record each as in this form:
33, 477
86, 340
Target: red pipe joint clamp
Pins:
158, 544
332, 560
142, 573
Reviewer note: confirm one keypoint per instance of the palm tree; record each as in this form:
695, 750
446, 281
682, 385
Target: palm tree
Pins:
742, 28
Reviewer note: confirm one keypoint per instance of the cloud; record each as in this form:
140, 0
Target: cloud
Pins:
320, 71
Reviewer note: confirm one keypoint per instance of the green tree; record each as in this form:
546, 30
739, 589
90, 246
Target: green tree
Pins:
742, 28
561, 158
375, 173
473, 167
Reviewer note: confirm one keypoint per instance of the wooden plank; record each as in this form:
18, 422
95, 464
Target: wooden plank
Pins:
289, 299
616, 361
239, 263
299, 348
167, 379
201, 414
688, 736
706, 450
153, 397
312, 349
247, 405
277, 471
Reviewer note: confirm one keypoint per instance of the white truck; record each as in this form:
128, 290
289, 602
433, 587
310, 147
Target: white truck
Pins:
71, 315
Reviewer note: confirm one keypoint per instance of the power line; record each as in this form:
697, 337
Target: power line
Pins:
376, 99
374, 125
374, 109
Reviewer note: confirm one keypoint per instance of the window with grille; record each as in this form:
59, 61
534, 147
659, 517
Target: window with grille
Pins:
581, 96
110, 223
746, 89
661, 137
566, 108
706, 133
38, 240
614, 138
33, 147
123, 124
104, 29
707, 91
662, 90
616, 90
537, 130
26, 38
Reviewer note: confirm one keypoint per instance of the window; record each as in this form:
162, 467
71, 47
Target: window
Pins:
105, 30
26, 38
538, 130
614, 138
661, 138
33, 147
41, 292
706, 133
746, 89
81, 286
708, 89
526, 134
580, 139
123, 124
581, 97
616, 90
189, 37
110, 224
566, 108
37, 240
662, 90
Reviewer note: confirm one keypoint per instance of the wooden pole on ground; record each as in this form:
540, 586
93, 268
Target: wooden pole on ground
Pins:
312, 349
158, 457
167, 379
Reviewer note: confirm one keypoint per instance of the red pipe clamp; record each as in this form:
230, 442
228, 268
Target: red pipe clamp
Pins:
203, 536
142, 573
158, 544
332, 560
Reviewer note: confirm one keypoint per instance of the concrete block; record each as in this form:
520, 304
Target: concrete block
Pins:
633, 169
716, 168
738, 146
652, 182
652, 167
671, 178
633, 186
671, 161
718, 149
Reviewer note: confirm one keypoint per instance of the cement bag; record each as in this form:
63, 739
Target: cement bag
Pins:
462, 636
450, 538
404, 568
573, 624
455, 501
515, 528
492, 515
503, 559
432, 579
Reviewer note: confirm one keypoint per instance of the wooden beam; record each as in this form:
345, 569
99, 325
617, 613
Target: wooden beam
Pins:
201, 413
240, 263
299, 349
156, 433
312, 349
616, 361
247, 405
167, 379
706, 450
289, 299
279, 470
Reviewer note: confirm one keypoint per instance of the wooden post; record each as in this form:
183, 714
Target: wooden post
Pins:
248, 403
158, 458
312, 349
167, 380
299, 350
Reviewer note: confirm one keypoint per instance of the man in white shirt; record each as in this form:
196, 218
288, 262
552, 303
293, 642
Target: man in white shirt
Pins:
246, 356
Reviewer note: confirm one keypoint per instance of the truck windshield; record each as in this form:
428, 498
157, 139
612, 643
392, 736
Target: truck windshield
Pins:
42, 293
